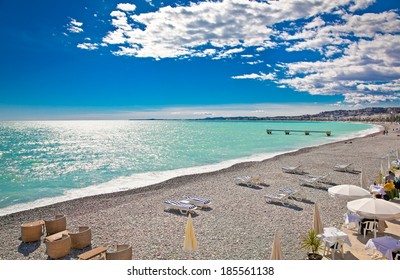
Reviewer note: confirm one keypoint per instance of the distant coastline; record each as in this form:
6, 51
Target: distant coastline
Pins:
373, 114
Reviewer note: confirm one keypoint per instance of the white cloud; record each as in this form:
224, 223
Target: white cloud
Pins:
75, 26
228, 24
76, 23
358, 52
360, 4
120, 21
88, 46
254, 62
149, 2
127, 7
261, 76
325, 38
226, 110
203, 113
368, 71
228, 53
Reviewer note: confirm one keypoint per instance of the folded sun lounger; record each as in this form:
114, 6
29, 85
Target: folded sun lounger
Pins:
197, 201
184, 208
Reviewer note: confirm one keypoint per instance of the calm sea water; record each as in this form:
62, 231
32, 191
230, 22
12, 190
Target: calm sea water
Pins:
46, 162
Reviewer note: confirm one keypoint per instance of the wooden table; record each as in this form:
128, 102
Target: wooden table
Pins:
92, 253
56, 236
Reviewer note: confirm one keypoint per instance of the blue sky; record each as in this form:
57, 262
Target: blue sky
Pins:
180, 59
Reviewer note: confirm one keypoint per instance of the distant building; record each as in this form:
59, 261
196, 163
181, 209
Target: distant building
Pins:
334, 118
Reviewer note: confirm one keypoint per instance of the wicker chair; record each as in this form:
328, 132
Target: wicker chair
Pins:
31, 232
82, 238
124, 252
59, 248
56, 225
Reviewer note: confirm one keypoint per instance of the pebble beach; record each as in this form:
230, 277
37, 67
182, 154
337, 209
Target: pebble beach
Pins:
239, 225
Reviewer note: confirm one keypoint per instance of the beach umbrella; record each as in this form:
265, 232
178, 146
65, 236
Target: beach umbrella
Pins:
190, 242
374, 208
348, 191
363, 179
317, 226
380, 174
388, 162
276, 253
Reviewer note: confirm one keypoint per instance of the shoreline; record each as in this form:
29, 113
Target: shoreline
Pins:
239, 225
142, 179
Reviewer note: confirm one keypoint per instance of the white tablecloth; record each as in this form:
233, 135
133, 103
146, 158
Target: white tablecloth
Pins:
333, 235
351, 218
386, 245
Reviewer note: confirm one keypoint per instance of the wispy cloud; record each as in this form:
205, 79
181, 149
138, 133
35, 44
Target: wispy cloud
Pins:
260, 76
74, 26
88, 46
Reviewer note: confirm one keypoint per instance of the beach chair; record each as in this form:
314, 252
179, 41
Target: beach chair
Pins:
82, 238
183, 207
56, 225
369, 226
59, 248
123, 252
293, 169
197, 201
278, 198
333, 248
249, 181
293, 194
345, 168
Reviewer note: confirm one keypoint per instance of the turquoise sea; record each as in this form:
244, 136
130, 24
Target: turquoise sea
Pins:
43, 162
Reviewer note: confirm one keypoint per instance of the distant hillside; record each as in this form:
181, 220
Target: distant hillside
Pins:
365, 114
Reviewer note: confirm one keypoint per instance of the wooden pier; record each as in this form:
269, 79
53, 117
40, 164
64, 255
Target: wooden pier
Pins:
306, 132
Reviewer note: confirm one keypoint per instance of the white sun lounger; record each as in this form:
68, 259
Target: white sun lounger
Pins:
278, 198
293, 194
315, 181
248, 181
293, 169
197, 201
345, 168
184, 208
322, 179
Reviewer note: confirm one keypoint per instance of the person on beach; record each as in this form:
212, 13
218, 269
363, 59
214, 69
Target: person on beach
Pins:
397, 183
390, 176
388, 187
